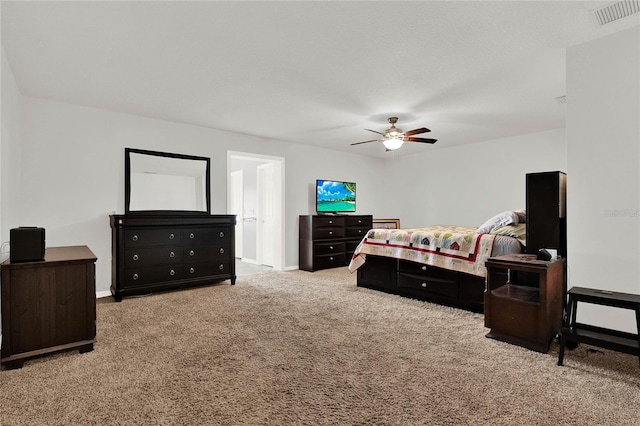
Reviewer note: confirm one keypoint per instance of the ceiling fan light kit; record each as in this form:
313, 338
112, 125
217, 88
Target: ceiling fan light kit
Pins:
392, 143
393, 138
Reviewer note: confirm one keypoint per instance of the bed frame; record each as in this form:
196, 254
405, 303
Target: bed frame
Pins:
423, 282
546, 228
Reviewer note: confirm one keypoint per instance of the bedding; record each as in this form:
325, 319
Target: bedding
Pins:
457, 248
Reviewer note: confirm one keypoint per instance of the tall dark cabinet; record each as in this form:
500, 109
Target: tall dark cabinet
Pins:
329, 241
546, 212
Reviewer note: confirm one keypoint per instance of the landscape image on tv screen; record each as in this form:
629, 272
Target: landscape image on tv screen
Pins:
334, 196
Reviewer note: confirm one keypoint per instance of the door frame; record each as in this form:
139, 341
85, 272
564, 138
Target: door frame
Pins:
278, 243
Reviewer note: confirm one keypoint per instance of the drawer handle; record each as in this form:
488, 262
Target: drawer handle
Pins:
221, 234
221, 267
424, 285
359, 221
192, 235
172, 272
330, 247
171, 236
135, 238
191, 270
331, 258
330, 222
221, 250
135, 257
330, 232
191, 253
424, 268
359, 231
172, 254
135, 276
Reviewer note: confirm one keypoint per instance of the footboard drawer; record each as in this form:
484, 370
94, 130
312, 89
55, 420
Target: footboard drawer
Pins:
433, 285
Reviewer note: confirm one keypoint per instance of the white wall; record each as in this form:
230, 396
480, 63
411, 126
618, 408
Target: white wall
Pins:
73, 172
467, 185
10, 154
603, 203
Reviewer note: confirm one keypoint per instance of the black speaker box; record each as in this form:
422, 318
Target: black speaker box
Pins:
26, 244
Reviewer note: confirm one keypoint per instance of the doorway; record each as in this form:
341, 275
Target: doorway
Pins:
255, 194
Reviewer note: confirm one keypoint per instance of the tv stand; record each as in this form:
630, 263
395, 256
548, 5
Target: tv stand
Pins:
329, 240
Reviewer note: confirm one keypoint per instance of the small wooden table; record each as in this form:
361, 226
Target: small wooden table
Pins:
48, 305
603, 337
523, 300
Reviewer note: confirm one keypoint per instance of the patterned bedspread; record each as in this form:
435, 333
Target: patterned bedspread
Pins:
457, 248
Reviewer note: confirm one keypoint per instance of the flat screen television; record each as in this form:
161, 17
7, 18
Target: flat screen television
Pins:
334, 196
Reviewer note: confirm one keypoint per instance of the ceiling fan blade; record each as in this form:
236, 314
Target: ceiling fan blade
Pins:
417, 131
372, 140
374, 131
424, 140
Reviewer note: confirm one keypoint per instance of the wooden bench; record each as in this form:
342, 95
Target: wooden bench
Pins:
602, 337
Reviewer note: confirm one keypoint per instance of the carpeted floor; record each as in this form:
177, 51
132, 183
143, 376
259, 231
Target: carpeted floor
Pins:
300, 348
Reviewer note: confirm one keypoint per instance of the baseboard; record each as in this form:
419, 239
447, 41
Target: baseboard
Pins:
291, 268
101, 294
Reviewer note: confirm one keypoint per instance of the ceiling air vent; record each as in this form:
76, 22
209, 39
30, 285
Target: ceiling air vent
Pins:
614, 11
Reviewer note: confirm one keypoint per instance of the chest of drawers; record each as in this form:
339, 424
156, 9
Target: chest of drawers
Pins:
329, 241
158, 252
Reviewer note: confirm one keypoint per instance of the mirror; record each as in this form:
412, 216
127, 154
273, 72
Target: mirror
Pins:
161, 182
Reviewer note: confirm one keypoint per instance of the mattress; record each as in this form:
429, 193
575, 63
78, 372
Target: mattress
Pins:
457, 248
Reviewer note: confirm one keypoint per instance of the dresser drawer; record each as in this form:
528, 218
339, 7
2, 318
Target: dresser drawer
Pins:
356, 231
328, 233
149, 256
151, 237
329, 261
328, 248
365, 221
206, 236
157, 274
205, 269
328, 222
206, 253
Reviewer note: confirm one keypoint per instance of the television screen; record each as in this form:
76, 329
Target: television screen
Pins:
335, 196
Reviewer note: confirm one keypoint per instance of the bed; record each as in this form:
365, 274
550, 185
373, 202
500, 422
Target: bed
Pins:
441, 264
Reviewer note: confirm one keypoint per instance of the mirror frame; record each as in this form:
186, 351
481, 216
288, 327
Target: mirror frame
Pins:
127, 182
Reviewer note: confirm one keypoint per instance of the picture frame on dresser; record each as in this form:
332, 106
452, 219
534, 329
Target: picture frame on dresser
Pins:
386, 223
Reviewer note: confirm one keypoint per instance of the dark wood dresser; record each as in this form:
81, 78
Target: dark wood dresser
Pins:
48, 305
328, 241
160, 252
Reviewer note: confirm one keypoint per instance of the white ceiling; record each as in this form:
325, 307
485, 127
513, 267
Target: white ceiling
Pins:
306, 72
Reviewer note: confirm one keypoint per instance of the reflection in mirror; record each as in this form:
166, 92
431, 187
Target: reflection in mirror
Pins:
165, 182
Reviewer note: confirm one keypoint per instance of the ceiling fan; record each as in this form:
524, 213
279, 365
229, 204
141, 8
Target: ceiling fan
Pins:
393, 138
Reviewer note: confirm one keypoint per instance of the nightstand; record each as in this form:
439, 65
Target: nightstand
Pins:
523, 300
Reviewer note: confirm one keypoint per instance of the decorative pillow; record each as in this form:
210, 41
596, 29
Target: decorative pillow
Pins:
518, 231
505, 218
522, 215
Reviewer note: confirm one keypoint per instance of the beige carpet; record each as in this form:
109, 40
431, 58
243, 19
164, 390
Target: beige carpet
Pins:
282, 348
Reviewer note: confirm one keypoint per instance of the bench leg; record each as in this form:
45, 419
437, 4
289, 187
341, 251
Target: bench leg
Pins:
562, 345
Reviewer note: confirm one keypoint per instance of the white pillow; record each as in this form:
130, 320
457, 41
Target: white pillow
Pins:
505, 218
522, 215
